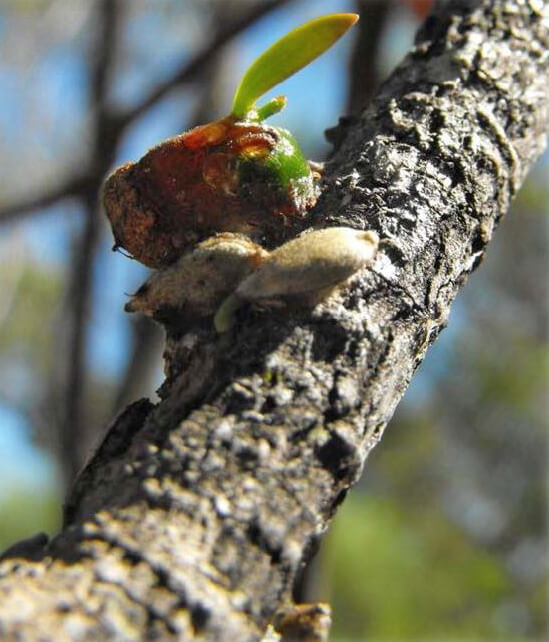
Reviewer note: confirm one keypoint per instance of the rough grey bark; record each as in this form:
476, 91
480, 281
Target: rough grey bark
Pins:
195, 514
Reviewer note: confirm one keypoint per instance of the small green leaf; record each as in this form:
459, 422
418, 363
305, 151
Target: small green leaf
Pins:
271, 107
291, 53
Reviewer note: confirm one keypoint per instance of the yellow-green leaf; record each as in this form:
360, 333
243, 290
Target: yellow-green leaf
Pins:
286, 56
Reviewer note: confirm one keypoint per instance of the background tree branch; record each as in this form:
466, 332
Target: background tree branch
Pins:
85, 248
194, 516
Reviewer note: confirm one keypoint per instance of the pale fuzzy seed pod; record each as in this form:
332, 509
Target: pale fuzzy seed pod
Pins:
312, 263
195, 285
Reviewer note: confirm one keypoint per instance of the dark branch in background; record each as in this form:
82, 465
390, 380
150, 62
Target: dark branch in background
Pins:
77, 316
79, 301
363, 74
73, 187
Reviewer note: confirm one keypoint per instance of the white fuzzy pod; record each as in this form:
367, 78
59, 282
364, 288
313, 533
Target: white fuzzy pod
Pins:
199, 280
311, 262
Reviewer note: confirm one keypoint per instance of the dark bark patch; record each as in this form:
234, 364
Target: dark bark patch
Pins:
339, 457
199, 617
257, 536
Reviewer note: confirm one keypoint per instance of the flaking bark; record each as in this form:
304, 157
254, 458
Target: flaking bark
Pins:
194, 515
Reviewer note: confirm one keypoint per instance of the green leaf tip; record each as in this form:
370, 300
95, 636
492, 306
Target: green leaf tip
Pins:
271, 107
291, 53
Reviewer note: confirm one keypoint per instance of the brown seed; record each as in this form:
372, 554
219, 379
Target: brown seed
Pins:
214, 178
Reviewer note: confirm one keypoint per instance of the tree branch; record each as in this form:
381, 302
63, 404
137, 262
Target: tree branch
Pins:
194, 516
72, 187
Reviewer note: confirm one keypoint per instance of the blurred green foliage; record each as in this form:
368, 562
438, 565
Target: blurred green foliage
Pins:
401, 573
29, 287
25, 512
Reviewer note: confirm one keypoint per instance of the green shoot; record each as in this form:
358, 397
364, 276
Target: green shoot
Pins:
281, 60
271, 107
